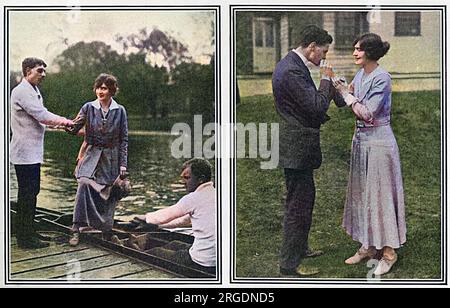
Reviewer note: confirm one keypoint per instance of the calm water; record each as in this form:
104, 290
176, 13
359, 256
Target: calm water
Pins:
154, 174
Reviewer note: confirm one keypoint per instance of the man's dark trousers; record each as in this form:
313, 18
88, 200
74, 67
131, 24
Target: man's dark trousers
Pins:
297, 216
28, 180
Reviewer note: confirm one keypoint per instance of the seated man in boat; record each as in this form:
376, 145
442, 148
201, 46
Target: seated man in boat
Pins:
199, 208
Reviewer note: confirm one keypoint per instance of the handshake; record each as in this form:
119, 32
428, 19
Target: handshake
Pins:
60, 123
339, 82
67, 123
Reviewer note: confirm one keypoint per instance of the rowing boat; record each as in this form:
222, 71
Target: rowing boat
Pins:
134, 243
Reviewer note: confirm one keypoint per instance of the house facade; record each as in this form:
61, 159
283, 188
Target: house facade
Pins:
414, 60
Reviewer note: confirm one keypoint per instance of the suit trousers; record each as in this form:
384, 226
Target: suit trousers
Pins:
297, 216
28, 180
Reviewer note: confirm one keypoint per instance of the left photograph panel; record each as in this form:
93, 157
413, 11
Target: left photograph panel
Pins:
111, 170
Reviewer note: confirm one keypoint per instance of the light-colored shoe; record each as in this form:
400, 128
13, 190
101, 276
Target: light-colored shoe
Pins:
115, 239
385, 265
360, 255
75, 239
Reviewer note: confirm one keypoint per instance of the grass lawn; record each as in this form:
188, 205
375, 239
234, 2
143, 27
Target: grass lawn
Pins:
260, 194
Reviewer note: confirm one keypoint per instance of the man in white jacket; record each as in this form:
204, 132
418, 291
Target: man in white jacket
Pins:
28, 119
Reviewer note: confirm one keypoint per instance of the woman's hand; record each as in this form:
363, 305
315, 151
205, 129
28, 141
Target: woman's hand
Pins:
341, 86
351, 88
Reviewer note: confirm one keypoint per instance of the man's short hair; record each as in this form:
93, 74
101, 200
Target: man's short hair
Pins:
31, 63
200, 168
312, 33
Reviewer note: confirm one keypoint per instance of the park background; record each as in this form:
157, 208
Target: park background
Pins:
164, 60
262, 38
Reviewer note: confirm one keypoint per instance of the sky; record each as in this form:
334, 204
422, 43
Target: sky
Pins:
45, 34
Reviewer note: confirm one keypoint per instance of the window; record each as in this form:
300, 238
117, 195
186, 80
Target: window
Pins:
407, 23
348, 26
264, 30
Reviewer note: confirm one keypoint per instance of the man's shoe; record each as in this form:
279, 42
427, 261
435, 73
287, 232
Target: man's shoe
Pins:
32, 243
385, 265
107, 235
313, 253
75, 239
300, 271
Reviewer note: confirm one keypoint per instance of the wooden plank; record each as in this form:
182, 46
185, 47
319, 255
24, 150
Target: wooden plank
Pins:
147, 275
20, 254
55, 260
114, 271
62, 271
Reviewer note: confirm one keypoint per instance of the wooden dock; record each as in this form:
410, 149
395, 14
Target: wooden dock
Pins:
60, 261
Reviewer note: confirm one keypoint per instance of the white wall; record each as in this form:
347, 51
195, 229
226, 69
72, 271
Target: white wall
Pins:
411, 54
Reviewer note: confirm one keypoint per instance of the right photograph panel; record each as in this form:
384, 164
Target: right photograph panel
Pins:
339, 136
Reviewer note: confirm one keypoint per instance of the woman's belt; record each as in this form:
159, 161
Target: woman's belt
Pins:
374, 123
103, 145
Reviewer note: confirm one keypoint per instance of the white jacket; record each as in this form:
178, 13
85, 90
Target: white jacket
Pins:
28, 120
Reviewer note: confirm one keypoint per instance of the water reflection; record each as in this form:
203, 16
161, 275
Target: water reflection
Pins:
154, 174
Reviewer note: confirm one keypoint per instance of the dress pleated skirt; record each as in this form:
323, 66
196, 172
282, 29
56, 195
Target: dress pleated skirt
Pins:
374, 212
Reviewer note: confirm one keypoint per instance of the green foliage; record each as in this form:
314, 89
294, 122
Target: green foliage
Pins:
244, 43
195, 83
145, 90
260, 193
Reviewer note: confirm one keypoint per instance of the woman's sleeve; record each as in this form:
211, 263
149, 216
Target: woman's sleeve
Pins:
123, 150
361, 112
80, 120
375, 100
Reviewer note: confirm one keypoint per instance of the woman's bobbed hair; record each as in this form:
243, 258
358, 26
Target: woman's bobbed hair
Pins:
372, 45
109, 80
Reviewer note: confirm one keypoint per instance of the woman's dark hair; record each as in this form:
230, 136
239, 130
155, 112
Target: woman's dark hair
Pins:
109, 80
30, 63
312, 33
372, 45
200, 168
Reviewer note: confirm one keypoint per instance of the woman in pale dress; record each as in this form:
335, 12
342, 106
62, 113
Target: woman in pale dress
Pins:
374, 213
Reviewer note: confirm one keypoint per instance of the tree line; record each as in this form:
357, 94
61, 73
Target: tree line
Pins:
179, 88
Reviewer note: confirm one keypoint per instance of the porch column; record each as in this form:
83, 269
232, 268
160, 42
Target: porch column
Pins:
284, 35
328, 25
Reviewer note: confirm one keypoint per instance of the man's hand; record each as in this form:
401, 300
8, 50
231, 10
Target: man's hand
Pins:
326, 70
140, 218
67, 122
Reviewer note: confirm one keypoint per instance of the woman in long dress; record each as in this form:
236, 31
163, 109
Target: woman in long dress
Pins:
103, 159
374, 213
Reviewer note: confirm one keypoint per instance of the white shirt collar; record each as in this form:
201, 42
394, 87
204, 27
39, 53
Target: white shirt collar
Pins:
113, 105
301, 57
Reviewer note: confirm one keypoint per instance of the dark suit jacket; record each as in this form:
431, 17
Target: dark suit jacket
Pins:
303, 109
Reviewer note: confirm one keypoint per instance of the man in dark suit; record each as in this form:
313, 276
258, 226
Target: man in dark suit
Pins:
302, 108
